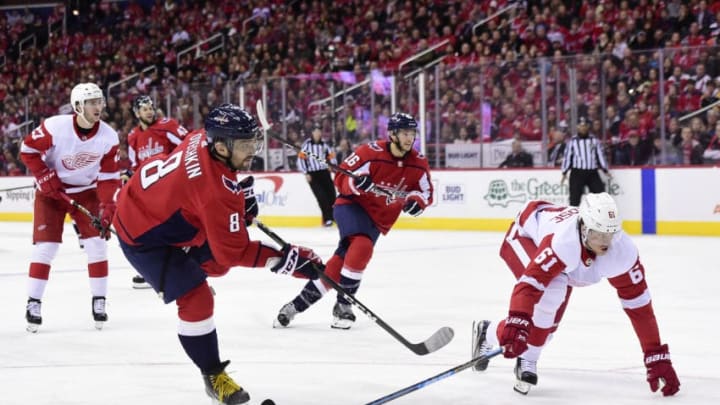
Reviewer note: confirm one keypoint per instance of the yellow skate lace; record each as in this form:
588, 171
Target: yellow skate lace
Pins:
224, 386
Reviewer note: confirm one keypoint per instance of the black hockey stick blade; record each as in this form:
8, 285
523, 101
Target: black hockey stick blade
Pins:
435, 342
439, 339
424, 383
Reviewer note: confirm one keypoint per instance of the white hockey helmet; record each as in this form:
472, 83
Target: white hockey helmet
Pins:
83, 92
599, 213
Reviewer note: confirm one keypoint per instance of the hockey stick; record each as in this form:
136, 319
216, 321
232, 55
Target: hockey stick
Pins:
424, 383
439, 339
16, 188
266, 127
95, 221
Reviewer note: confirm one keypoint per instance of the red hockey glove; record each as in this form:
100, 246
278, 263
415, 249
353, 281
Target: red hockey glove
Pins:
660, 369
514, 337
107, 212
298, 259
251, 205
49, 184
362, 183
414, 204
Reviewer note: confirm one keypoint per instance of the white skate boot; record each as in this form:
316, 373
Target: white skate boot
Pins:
526, 374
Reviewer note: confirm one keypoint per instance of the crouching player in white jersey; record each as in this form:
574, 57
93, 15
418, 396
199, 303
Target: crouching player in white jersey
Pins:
551, 249
72, 155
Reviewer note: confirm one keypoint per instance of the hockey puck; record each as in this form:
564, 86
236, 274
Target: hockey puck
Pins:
268, 402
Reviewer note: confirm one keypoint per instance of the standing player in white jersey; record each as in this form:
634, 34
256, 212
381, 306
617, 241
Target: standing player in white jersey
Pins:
72, 155
152, 136
551, 249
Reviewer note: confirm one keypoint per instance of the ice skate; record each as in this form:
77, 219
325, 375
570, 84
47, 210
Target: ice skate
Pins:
480, 344
98, 312
32, 315
139, 283
344, 317
222, 389
286, 314
526, 374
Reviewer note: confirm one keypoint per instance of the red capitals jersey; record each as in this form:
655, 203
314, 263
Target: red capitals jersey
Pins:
187, 199
409, 174
81, 161
546, 238
159, 138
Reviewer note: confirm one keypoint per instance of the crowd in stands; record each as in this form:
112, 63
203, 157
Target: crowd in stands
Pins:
608, 50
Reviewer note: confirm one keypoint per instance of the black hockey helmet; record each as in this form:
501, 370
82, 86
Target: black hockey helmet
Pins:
401, 121
141, 101
230, 122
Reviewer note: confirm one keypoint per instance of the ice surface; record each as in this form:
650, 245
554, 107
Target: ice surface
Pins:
417, 281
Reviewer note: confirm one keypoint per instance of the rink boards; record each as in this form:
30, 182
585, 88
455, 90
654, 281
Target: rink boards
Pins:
680, 201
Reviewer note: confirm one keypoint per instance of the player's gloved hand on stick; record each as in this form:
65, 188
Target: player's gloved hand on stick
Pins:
298, 259
49, 184
251, 205
514, 337
660, 369
363, 183
125, 176
414, 204
107, 212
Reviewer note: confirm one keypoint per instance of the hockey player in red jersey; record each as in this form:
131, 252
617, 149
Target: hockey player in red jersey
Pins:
74, 155
362, 212
551, 249
183, 217
151, 137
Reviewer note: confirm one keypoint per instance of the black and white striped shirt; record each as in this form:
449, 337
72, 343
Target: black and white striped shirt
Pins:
321, 150
584, 153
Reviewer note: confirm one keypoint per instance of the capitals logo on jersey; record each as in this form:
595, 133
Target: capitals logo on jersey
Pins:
232, 185
80, 160
150, 150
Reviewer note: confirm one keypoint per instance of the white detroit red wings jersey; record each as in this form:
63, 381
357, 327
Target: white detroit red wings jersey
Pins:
79, 160
546, 240
559, 225
161, 137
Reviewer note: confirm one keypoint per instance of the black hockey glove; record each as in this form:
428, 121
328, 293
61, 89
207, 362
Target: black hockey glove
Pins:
251, 205
414, 204
298, 259
125, 176
363, 183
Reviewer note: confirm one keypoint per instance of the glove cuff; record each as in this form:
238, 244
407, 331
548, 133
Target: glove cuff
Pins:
519, 319
351, 185
418, 197
657, 354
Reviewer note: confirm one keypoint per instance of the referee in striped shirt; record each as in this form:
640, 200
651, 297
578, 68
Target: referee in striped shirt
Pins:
317, 173
583, 158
